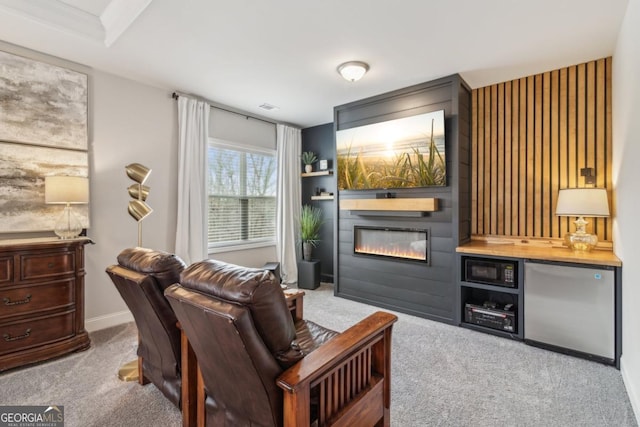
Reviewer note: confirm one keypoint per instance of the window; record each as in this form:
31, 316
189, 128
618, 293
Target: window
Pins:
242, 196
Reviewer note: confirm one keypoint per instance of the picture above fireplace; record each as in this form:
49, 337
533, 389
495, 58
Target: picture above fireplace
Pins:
401, 153
408, 244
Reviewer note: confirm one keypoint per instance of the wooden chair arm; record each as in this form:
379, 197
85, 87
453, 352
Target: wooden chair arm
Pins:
334, 350
295, 303
352, 373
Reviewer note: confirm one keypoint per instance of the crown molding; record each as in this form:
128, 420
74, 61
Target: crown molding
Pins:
116, 18
119, 15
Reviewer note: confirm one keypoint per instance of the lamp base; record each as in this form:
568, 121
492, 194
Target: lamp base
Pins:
581, 242
68, 225
129, 371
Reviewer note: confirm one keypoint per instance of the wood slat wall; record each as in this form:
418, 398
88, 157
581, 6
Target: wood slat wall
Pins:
530, 137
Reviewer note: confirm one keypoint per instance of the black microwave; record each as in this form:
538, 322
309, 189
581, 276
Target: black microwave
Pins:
487, 271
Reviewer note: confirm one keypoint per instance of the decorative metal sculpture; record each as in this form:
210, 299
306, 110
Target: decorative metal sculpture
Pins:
138, 209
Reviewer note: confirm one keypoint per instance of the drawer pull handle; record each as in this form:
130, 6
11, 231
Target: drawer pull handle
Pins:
7, 301
9, 338
51, 265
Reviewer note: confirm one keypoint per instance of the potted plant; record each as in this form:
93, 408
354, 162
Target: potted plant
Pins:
310, 222
308, 158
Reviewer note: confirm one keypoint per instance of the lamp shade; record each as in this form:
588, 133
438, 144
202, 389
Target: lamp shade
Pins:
139, 210
583, 202
66, 189
138, 191
138, 172
353, 70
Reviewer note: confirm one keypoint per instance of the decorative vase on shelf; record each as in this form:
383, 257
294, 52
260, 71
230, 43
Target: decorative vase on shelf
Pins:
308, 158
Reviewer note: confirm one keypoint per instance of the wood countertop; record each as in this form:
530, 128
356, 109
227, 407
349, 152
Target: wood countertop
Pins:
539, 252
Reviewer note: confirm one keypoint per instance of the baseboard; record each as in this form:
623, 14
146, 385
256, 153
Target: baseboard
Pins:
108, 320
632, 390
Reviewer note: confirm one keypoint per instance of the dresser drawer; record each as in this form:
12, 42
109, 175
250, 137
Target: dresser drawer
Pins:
44, 265
30, 333
6, 270
31, 299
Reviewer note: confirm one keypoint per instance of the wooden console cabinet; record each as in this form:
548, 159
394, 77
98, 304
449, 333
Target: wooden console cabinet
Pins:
41, 300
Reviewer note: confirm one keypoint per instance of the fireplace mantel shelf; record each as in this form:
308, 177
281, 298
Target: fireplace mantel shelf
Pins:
399, 205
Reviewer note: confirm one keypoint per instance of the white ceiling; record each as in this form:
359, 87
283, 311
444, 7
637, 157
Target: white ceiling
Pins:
244, 53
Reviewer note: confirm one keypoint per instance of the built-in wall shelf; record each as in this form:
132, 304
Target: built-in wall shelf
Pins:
321, 197
317, 173
400, 205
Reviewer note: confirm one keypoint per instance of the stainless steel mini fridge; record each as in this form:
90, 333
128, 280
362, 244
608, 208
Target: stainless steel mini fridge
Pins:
570, 307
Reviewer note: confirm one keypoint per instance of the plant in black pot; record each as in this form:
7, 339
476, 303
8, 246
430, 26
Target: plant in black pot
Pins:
310, 222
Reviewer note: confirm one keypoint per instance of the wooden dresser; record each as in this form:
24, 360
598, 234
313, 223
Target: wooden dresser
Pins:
41, 300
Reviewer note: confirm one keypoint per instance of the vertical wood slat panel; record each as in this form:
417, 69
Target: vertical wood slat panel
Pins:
494, 160
530, 156
600, 138
500, 161
564, 142
478, 173
537, 143
581, 116
572, 127
507, 159
515, 151
545, 177
609, 148
554, 161
487, 160
522, 205
474, 159
531, 137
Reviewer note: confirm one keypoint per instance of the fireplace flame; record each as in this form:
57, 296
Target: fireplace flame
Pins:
391, 252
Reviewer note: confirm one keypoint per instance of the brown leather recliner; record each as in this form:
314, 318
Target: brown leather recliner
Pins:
141, 277
259, 367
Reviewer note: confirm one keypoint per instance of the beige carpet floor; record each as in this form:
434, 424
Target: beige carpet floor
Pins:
442, 376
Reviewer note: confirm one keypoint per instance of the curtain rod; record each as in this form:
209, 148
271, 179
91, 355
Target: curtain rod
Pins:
176, 95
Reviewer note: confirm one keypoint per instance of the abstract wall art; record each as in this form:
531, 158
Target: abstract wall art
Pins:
43, 132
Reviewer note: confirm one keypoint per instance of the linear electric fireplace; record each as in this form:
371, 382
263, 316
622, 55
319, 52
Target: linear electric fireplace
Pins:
407, 244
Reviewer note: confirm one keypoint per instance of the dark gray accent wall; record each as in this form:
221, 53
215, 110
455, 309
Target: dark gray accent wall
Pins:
320, 140
425, 290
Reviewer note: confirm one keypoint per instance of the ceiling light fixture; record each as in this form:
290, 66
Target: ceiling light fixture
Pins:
353, 70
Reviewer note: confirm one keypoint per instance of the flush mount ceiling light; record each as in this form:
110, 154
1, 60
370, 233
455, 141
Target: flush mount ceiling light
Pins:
353, 70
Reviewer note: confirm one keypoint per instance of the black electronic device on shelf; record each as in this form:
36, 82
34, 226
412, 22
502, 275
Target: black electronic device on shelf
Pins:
491, 315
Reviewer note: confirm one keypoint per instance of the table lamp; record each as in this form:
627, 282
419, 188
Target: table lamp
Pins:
67, 190
581, 202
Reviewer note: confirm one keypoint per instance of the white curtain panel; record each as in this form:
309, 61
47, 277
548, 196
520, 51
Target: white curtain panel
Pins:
288, 144
191, 230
